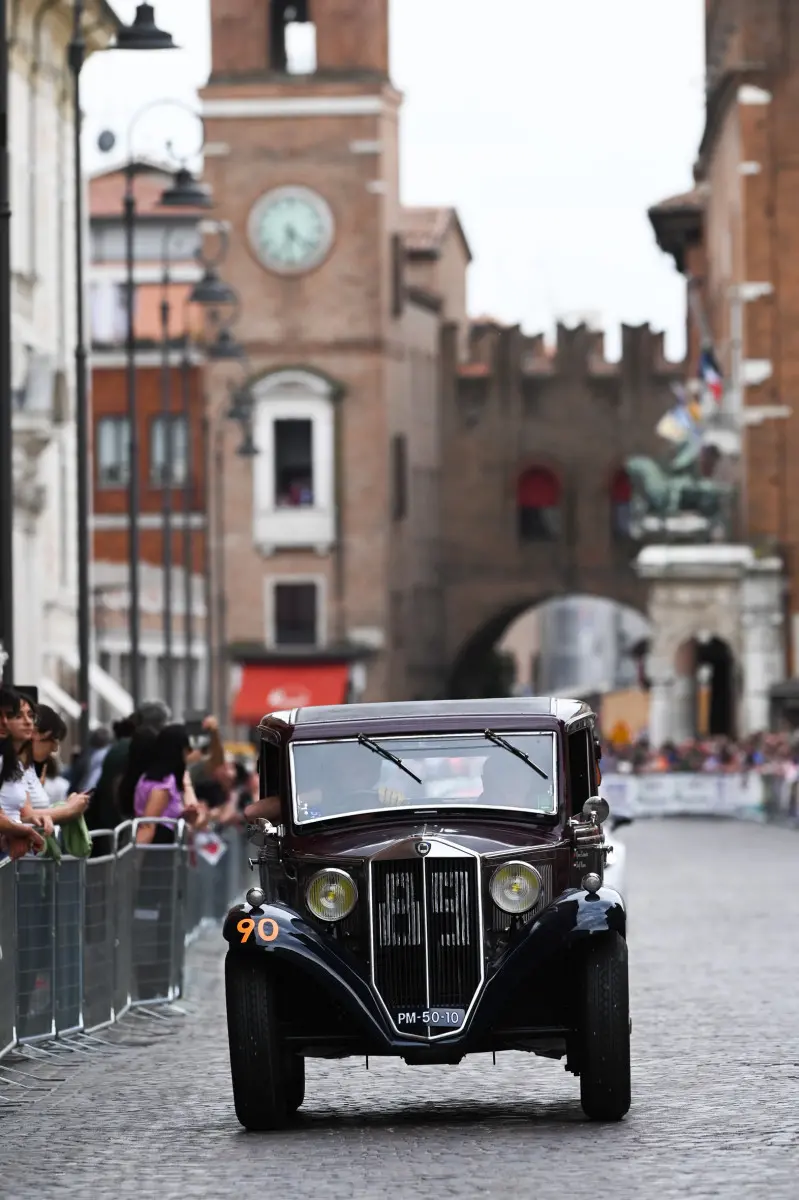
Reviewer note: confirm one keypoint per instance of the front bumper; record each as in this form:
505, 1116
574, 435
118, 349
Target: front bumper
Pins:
294, 942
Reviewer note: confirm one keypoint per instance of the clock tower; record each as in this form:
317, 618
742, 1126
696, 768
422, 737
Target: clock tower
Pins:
302, 154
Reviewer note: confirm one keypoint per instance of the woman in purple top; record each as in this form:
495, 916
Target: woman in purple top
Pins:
165, 789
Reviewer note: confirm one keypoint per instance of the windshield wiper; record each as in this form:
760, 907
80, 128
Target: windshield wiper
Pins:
376, 748
490, 736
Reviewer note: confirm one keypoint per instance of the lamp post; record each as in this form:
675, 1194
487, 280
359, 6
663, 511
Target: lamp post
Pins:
241, 411
143, 34
6, 404
184, 192
210, 292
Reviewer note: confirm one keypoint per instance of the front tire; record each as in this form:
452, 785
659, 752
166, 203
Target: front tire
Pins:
268, 1081
605, 1030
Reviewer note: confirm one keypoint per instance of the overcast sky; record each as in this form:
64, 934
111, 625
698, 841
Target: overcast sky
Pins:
550, 126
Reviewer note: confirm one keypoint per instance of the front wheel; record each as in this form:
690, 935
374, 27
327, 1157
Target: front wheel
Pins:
268, 1081
604, 1034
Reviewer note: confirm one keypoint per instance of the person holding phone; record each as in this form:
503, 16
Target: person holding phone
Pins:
48, 733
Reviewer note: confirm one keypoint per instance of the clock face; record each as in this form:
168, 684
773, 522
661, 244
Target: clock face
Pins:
291, 230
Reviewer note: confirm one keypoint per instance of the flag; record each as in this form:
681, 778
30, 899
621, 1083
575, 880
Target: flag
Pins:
210, 847
710, 374
681, 423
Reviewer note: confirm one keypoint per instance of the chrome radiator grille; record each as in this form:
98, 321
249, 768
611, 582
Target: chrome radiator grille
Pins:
426, 932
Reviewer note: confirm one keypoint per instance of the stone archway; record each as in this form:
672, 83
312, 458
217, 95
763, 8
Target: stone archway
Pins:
477, 670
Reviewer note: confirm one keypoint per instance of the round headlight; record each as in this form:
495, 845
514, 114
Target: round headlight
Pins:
331, 895
515, 887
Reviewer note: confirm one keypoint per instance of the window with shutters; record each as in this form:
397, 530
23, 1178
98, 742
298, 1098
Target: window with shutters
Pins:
294, 490
294, 464
538, 505
399, 476
112, 452
169, 462
296, 613
621, 493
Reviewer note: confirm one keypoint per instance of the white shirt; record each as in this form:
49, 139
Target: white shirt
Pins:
38, 796
13, 794
57, 790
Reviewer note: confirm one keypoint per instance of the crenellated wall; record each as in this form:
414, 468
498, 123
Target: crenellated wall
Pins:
519, 404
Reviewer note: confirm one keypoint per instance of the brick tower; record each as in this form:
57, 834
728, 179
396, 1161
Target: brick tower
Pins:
302, 154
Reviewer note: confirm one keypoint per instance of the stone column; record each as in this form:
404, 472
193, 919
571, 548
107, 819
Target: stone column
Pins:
661, 700
762, 640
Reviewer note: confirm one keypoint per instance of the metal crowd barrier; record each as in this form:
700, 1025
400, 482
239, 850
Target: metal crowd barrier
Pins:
83, 941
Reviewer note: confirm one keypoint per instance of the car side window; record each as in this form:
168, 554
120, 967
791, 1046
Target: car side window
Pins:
269, 770
581, 770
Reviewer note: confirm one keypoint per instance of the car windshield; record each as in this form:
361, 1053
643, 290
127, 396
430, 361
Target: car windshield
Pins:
375, 774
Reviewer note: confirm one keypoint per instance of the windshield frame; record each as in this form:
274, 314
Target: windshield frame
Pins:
431, 809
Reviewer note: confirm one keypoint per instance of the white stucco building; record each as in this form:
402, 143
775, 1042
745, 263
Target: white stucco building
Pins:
43, 343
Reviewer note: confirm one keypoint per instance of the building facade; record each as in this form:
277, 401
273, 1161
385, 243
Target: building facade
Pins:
535, 497
169, 333
43, 241
333, 529
732, 237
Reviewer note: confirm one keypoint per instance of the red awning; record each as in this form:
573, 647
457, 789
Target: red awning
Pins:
275, 687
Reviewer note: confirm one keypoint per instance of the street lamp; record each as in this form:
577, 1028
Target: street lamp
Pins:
209, 293
186, 193
143, 34
189, 191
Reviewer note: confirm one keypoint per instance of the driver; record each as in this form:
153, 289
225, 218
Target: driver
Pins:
508, 780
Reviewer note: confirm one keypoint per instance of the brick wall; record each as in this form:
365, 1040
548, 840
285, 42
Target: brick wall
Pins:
109, 398
572, 412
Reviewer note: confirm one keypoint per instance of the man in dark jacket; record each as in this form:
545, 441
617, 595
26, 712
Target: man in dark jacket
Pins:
103, 812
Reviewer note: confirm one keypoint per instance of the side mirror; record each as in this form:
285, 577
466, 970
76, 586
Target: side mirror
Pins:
598, 808
259, 831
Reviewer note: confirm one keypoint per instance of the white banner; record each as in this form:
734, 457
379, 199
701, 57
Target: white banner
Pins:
678, 795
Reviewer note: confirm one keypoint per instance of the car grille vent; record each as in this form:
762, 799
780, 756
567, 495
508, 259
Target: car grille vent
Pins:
426, 932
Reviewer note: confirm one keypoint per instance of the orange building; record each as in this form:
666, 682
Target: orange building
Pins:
171, 237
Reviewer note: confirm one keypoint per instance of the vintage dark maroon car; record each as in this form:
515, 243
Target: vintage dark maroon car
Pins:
434, 889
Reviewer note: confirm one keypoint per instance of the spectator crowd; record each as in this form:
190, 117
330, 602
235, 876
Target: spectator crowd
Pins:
145, 766
765, 753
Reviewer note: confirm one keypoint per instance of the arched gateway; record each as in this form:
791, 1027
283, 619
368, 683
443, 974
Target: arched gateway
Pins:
534, 491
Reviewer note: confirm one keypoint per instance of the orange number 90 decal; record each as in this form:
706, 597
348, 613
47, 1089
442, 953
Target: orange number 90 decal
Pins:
267, 929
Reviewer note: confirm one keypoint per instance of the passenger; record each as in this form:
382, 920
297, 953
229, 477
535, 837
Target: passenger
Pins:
510, 782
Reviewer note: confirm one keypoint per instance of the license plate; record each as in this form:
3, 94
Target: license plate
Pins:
421, 1018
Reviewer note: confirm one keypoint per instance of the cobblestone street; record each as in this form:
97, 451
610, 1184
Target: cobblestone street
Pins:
713, 955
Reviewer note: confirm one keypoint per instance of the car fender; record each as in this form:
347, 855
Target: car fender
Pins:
292, 940
572, 918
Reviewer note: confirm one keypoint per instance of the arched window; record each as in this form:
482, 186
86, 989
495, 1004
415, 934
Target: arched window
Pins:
621, 493
538, 501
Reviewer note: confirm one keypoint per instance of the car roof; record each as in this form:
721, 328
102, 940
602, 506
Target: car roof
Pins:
422, 710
